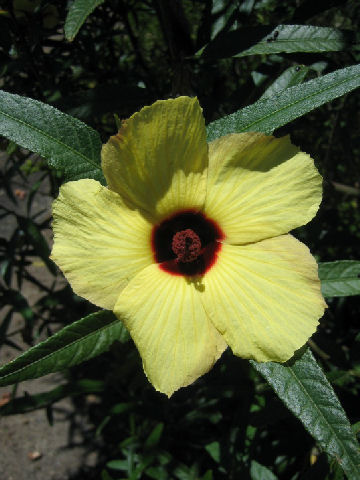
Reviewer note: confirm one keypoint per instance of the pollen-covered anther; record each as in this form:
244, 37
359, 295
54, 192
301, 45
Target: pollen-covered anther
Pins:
186, 245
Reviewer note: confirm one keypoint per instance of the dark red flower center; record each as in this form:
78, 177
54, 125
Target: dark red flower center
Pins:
187, 243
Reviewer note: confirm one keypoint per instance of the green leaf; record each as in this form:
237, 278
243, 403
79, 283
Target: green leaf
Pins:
154, 437
74, 344
260, 472
356, 428
266, 115
78, 12
340, 279
289, 78
65, 142
304, 389
280, 39
213, 450
118, 464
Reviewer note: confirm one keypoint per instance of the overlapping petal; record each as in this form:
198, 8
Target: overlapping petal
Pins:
99, 243
264, 298
158, 160
167, 321
260, 186
261, 296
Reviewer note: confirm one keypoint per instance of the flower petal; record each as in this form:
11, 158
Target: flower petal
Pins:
99, 243
260, 186
168, 324
264, 298
158, 160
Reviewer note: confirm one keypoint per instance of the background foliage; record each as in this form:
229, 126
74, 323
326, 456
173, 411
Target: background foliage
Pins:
230, 54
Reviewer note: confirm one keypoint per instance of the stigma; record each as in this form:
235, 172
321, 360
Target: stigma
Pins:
186, 245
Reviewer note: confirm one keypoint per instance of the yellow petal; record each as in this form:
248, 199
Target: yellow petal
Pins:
260, 186
99, 243
167, 322
158, 160
264, 298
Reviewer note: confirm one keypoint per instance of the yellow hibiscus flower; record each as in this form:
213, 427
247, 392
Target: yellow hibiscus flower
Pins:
189, 246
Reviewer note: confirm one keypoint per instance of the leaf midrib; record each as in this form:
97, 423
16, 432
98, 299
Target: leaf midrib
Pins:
49, 137
274, 112
46, 357
340, 441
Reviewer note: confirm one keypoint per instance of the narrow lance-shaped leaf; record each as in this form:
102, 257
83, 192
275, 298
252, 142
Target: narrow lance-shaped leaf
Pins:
78, 13
277, 39
65, 142
289, 78
72, 345
340, 279
304, 389
266, 115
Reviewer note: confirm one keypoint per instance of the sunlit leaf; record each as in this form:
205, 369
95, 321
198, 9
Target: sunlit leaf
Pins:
277, 39
72, 345
340, 279
78, 13
266, 115
303, 387
67, 144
